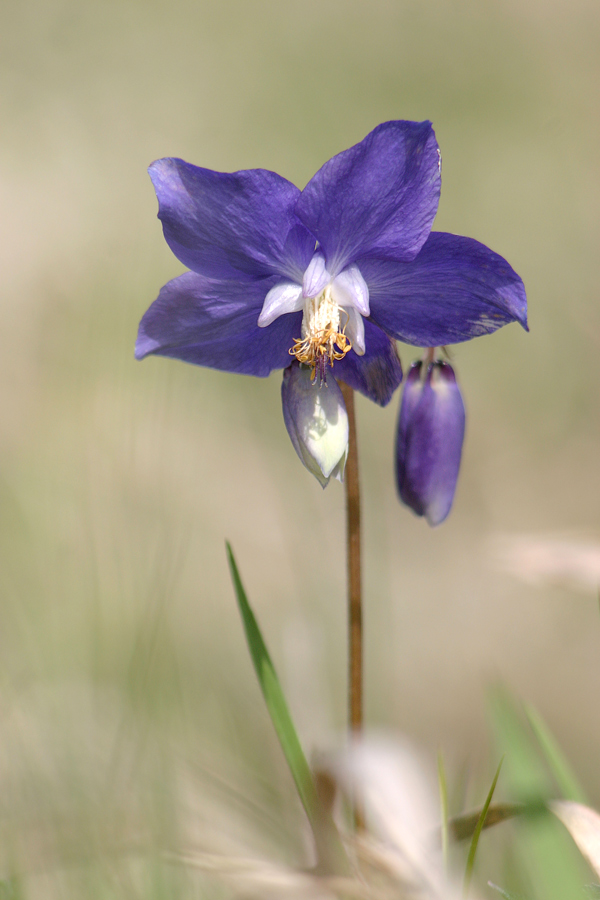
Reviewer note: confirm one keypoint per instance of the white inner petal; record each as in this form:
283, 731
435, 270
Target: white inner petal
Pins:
316, 278
355, 329
283, 298
349, 288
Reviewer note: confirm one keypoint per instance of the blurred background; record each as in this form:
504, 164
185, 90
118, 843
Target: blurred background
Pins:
129, 709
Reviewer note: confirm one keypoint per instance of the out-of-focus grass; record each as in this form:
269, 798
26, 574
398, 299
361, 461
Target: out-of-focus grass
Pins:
127, 702
542, 856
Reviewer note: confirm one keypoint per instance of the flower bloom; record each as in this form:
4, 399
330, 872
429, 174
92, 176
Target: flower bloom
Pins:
327, 277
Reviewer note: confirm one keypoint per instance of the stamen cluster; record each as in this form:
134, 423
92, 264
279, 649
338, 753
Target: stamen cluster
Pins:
322, 341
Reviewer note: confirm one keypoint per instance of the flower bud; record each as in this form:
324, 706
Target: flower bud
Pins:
315, 417
431, 428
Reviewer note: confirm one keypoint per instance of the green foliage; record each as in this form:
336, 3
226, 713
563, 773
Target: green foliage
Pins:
503, 893
477, 832
10, 889
566, 779
329, 847
549, 867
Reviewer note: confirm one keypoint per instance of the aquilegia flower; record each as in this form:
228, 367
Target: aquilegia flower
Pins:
327, 278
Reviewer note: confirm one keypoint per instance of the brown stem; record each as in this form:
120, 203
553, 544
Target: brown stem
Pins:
355, 663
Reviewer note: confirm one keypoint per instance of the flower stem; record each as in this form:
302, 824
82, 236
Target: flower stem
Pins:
355, 628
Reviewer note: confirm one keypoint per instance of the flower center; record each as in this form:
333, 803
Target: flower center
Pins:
322, 341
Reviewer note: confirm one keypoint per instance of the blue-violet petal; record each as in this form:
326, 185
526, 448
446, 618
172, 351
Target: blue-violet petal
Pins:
214, 324
231, 225
456, 289
378, 198
378, 372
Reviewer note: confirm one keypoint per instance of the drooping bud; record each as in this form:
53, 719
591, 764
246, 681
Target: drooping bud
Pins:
315, 417
431, 428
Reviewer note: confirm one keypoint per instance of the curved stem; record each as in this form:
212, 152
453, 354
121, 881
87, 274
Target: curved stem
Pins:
355, 627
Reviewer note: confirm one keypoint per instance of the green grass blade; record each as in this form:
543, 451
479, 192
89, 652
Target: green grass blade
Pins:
527, 780
544, 852
477, 832
566, 779
329, 846
274, 698
443, 785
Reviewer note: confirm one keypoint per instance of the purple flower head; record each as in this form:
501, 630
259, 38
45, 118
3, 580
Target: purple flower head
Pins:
329, 276
429, 439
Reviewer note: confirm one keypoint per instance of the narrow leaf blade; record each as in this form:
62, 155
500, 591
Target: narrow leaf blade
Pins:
544, 852
329, 846
477, 832
565, 778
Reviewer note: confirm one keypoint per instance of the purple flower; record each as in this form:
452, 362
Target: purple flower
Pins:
429, 439
329, 276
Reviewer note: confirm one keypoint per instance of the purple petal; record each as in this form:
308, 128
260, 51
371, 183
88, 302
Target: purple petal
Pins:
231, 226
411, 394
378, 198
378, 372
429, 441
456, 289
214, 324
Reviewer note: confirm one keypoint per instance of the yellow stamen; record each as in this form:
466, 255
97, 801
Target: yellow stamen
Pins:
323, 340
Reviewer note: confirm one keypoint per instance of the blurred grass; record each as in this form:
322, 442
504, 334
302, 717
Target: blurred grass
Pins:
123, 669
543, 852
